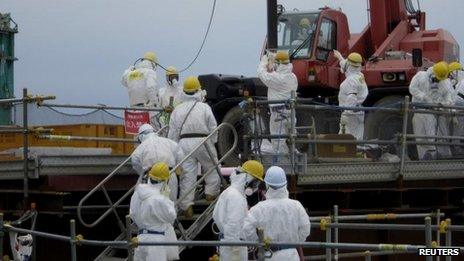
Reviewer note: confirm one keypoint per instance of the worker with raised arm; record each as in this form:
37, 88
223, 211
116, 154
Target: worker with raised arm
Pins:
231, 208
152, 149
281, 218
456, 76
154, 213
276, 73
140, 81
170, 95
353, 92
190, 123
431, 86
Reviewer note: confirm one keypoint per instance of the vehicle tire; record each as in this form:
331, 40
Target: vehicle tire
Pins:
234, 116
386, 125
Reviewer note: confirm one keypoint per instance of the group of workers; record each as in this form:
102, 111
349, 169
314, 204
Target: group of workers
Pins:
164, 180
191, 120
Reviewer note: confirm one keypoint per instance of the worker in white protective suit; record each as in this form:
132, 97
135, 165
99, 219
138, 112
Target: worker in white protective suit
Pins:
280, 81
152, 149
170, 95
456, 76
431, 86
140, 81
353, 92
281, 218
154, 213
231, 208
190, 123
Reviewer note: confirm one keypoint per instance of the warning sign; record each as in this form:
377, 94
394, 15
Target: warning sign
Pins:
134, 119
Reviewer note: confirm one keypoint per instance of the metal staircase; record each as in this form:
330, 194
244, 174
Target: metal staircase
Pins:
191, 232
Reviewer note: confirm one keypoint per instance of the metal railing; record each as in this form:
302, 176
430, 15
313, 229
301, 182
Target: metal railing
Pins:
113, 206
402, 139
263, 246
25, 100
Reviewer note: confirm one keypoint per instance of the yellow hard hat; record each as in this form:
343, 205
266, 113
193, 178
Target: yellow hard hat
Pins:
304, 22
282, 57
171, 70
440, 70
151, 56
254, 168
454, 66
191, 84
355, 59
159, 171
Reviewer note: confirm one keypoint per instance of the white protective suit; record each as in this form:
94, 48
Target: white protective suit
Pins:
282, 219
229, 213
353, 91
154, 214
423, 90
140, 82
155, 149
280, 84
458, 122
170, 91
199, 122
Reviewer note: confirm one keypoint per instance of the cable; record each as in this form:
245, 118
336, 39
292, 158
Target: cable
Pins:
204, 38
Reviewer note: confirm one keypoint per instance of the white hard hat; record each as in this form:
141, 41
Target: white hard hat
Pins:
275, 177
145, 128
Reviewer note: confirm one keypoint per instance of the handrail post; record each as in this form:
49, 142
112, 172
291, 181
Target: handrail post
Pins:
1, 234
72, 224
130, 248
336, 231
403, 140
292, 130
438, 219
261, 250
367, 255
448, 239
428, 236
25, 151
328, 239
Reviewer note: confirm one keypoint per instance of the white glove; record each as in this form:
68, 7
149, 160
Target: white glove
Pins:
131, 68
338, 55
166, 191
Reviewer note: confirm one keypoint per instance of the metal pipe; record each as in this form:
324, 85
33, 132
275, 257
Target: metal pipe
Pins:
272, 24
1, 234
367, 255
404, 137
335, 215
448, 239
72, 224
25, 151
292, 130
438, 231
328, 240
356, 254
375, 226
428, 235
434, 137
130, 249
99, 107
83, 138
261, 250
343, 108
26, 99
378, 216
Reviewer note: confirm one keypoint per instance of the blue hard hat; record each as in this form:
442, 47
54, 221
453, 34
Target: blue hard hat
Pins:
275, 177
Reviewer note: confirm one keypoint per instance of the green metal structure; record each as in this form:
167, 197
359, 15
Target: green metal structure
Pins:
7, 30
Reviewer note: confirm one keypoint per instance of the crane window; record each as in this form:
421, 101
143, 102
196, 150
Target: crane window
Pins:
327, 39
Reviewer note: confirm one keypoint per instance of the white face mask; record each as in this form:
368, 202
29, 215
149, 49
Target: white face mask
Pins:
251, 185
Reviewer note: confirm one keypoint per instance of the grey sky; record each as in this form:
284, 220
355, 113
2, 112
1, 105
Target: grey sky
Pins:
77, 50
